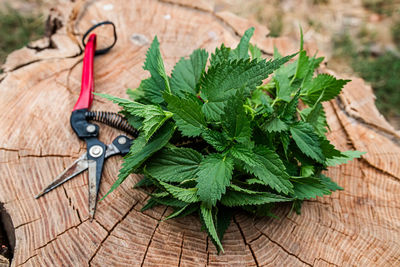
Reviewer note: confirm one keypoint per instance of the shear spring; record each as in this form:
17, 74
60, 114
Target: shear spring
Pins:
112, 119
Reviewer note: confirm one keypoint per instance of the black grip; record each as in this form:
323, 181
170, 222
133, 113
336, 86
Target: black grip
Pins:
123, 143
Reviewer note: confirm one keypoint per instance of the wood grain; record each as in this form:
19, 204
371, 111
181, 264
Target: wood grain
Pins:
357, 226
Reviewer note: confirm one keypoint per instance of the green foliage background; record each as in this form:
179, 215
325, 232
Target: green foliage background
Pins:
17, 29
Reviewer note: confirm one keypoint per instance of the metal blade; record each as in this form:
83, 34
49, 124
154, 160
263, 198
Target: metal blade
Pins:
92, 187
111, 151
74, 169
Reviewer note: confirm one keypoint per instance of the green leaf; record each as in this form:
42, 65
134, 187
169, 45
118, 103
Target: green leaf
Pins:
135, 121
141, 151
307, 170
153, 120
328, 149
235, 121
285, 140
213, 176
150, 204
169, 200
235, 198
302, 65
188, 195
282, 81
145, 181
237, 188
241, 142
220, 56
213, 110
176, 213
326, 83
260, 98
244, 153
217, 139
150, 90
242, 50
316, 117
208, 222
224, 218
187, 115
313, 64
296, 206
220, 82
308, 142
174, 165
331, 185
155, 65
314, 114
255, 52
343, 158
274, 125
187, 72
270, 170
289, 110
154, 116
306, 188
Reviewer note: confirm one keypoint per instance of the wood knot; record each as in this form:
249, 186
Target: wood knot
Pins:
139, 39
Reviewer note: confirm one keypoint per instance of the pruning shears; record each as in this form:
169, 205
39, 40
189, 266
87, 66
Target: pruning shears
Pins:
96, 151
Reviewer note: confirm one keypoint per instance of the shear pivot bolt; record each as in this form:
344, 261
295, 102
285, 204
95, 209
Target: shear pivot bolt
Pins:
122, 140
91, 128
96, 151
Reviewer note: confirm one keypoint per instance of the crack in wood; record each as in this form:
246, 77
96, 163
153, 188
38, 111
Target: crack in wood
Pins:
245, 242
109, 232
253, 255
69, 75
102, 226
3, 75
34, 255
71, 205
40, 155
45, 156
24, 65
60, 234
9, 149
328, 262
26, 223
376, 128
40, 60
396, 178
181, 252
208, 252
255, 239
151, 239
286, 251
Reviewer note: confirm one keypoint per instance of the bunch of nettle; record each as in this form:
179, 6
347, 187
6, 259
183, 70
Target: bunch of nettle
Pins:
214, 139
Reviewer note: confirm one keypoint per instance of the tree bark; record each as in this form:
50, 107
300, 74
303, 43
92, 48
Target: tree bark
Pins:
41, 82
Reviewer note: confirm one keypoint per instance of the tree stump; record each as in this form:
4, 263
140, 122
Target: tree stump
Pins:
41, 82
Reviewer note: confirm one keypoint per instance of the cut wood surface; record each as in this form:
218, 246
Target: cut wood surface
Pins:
358, 226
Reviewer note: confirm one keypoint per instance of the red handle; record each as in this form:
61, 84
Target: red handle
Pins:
87, 86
